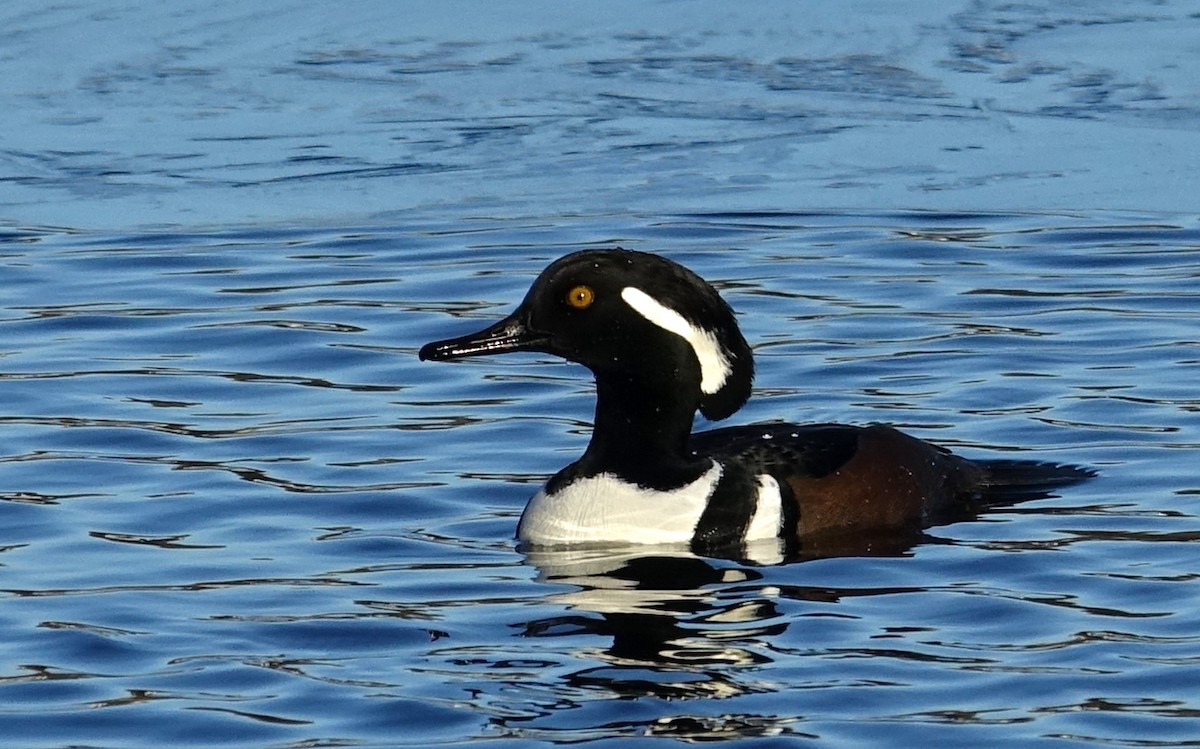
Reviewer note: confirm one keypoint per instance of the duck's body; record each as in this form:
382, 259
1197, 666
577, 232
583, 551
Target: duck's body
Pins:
663, 344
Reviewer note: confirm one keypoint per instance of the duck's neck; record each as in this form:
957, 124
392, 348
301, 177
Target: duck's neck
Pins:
641, 433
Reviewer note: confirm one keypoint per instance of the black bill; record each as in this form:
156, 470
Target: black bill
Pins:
510, 334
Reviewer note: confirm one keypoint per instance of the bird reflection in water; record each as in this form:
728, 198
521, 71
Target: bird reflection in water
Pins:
681, 626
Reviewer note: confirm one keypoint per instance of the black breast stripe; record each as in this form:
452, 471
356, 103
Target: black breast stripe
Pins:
727, 516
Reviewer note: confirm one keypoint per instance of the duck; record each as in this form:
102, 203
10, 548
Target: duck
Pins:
663, 345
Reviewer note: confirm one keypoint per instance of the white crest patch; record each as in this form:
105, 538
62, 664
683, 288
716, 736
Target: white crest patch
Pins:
714, 365
604, 508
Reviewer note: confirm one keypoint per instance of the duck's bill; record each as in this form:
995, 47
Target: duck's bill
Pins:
510, 334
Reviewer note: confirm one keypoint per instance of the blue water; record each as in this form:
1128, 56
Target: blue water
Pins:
236, 510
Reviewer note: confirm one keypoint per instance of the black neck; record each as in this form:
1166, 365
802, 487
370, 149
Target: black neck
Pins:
641, 433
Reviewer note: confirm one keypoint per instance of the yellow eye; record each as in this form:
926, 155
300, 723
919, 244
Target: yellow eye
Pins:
581, 297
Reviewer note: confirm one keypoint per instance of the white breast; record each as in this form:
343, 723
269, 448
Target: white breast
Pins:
606, 509
768, 512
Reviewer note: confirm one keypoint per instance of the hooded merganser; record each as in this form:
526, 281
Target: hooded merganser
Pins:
662, 343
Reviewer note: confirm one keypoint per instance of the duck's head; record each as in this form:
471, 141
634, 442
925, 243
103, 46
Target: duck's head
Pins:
628, 315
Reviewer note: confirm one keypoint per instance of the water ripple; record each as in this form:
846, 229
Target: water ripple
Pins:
235, 508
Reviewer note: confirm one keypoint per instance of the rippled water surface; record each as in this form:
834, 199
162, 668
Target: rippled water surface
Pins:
238, 508
235, 509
